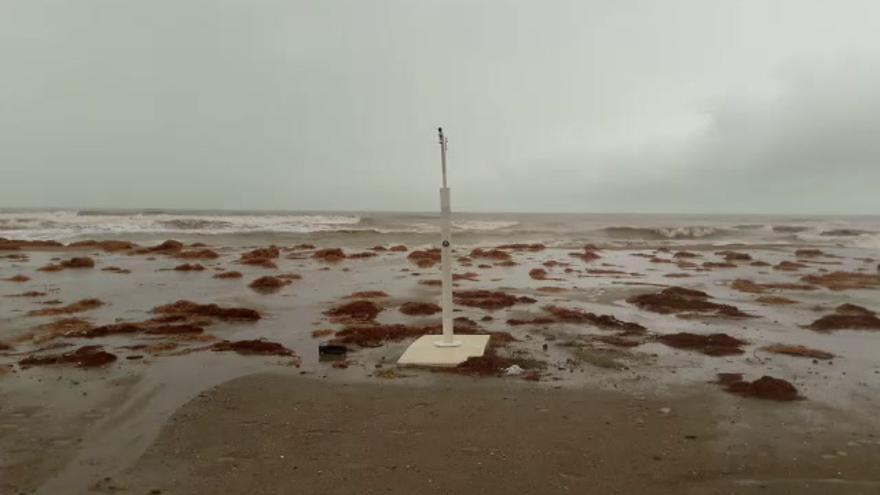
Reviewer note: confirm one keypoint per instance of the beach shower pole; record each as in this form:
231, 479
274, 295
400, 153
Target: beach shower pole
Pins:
447, 349
448, 339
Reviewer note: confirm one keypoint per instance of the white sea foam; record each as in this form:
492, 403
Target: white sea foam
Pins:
868, 241
680, 232
69, 224
483, 225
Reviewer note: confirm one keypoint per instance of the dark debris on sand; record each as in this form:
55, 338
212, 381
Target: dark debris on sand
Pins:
252, 347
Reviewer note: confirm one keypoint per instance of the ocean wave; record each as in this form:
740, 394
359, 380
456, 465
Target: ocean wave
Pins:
457, 226
67, 224
789, 229
660, 233
484, 225
843, 232
867, 241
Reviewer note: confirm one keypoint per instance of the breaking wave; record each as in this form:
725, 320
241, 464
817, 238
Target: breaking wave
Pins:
67, 224
661, 233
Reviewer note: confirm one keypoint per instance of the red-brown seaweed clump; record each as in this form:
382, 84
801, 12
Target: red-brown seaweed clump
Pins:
367, 294
492, 254
115, 269
110, 246
685, 254
765, 387
844, 280
847, 316
789, 266
15, 244
492, 364
89, 356
523, 247
607, 322
717, 264
541, 320
329, 255
734, 256
798, 351
587, 255
539, 274
375, 335
77, 262
749, 286
189, 308
359, 310
413, 308
187, 267
775, 300
168, 247
269, 284
262, 257
252, 347
30, 293
15, 257
487, 299
77, 307
362, 255
809, 253
679, 300
424, 258
716, 344
228, 275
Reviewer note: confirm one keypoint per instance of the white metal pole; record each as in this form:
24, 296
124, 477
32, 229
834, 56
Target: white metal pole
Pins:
448, 339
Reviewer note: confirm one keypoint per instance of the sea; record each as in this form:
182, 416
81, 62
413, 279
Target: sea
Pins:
382, 228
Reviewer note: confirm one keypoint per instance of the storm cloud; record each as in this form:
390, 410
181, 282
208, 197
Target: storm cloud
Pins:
680, 106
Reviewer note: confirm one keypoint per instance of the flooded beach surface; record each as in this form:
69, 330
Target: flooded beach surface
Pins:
128, 339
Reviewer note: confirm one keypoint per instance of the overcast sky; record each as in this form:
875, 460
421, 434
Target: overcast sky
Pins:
633, 106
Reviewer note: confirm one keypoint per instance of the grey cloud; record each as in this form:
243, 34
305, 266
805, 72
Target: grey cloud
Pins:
562, 105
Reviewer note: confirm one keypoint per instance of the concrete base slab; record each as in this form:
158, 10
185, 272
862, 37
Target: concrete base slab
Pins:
424, 352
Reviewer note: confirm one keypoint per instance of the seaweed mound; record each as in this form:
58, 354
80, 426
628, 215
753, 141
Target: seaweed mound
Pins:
678, 300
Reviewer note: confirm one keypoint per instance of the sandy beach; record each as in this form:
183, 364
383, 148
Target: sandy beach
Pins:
621, 366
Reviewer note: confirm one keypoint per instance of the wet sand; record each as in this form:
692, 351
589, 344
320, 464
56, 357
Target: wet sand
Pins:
64, 429
288, 434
